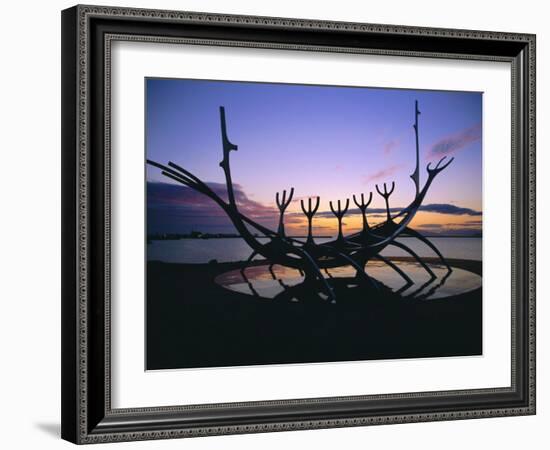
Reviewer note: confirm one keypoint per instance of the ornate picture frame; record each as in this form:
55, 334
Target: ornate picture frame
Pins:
88, 415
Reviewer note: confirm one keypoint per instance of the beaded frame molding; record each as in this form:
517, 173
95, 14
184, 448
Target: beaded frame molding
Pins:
87, 35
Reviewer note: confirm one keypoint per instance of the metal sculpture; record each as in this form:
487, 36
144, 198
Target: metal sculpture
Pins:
340, 213
309, 257
362, 205
283, 205
309, 213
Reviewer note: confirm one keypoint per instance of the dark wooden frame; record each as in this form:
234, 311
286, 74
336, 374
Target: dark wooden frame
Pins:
87, 31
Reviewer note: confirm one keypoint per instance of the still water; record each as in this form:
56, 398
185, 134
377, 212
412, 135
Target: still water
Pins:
270, 282
235, 249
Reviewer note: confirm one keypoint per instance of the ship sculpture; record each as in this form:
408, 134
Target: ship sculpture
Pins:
312, 258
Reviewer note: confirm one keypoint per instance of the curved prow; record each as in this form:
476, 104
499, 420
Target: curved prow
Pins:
224, 163
227, 144
232, 210
410, 211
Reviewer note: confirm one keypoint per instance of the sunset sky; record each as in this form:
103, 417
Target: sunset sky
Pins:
322, 140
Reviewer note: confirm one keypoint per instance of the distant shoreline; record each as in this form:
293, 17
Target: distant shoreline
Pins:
235, 236
186, 237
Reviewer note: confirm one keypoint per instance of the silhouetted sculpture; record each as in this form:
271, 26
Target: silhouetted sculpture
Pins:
309, 257
386, 195
339, 213
309, 213
363, 208
283, 205
416, 174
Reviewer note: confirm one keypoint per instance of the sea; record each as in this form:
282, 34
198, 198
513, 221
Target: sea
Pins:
199, 251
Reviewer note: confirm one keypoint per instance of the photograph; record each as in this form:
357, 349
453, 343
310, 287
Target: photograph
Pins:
274, 222
301, 223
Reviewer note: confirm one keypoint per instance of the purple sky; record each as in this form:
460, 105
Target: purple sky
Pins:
322, 140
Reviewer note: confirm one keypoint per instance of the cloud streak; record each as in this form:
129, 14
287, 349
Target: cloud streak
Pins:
441, 208
448, 229
390, 146
167, 194
383, 174
177, 208
455, 142
445, 208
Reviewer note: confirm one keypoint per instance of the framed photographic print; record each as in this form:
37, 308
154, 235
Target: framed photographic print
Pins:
281, 224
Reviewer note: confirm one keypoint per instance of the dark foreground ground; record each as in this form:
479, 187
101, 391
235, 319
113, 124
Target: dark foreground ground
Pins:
193, 322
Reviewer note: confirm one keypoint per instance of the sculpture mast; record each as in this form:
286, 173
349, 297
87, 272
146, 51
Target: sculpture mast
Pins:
416, 174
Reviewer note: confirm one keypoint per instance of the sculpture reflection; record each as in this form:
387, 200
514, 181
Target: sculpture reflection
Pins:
280, 283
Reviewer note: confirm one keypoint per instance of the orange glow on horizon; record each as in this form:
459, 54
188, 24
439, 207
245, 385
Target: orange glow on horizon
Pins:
423, 221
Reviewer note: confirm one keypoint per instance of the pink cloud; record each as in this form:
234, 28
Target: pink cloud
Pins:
174, 195
454, 142
381, 174
390, 146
